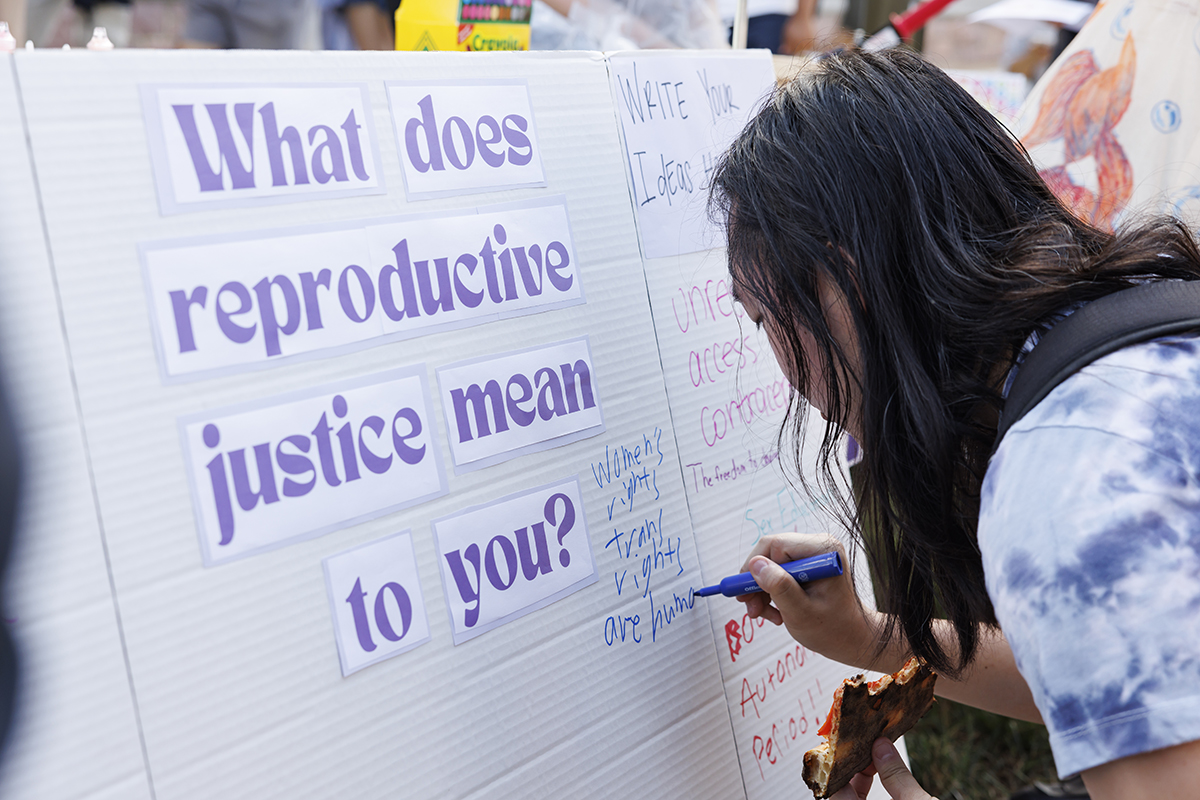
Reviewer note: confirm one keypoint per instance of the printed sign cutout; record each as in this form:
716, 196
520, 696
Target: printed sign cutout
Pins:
280, 470
236, 145
226, 304
376, 601
462, 138
678, 115
502, 406
509, 558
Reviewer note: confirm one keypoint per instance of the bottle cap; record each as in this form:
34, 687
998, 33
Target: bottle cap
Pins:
100, 40
7, 43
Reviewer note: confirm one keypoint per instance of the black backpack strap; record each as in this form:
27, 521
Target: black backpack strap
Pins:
1138, 314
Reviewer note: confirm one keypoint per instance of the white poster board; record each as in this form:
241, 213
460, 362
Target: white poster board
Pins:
509, 614
75, 732
678, 112
728, 398
236, 666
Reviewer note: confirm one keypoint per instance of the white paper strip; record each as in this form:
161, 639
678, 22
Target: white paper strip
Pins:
222, 145
678, 115
376, 601
509, 558
464, 138
226, 304
503, 406
297, 466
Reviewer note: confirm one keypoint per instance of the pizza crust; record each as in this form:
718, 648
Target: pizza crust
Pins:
861, 713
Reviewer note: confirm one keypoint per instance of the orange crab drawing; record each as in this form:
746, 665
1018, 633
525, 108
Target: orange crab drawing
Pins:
1081, 105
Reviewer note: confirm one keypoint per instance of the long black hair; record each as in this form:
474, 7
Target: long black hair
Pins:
878, 173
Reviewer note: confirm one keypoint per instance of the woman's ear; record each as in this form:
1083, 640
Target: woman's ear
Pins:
838, 316
840, 320
851, 267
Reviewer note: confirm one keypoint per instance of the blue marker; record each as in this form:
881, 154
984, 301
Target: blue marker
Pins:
827, 565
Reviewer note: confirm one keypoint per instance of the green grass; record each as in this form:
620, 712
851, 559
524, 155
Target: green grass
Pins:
962, 753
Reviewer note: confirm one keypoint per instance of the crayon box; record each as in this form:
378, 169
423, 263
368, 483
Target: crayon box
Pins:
463, 25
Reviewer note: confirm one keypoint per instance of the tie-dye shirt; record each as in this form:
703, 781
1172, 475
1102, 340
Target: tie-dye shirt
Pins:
1090, 535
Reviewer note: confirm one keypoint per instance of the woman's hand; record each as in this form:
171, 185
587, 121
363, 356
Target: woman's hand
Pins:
799, 34
895, 777
824, 615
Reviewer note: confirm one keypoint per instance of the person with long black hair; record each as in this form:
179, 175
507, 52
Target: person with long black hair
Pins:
903, 255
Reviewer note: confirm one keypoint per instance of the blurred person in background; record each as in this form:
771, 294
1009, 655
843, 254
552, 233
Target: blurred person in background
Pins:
359, 24
870, 16
115, 16
246, 24
781, 26
10, 486
43, 18
14, 13
627, 25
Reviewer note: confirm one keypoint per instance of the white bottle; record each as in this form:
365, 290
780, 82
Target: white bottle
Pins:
100, 40
7, 43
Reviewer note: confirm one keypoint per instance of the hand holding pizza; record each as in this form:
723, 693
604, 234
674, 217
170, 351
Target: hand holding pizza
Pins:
896, 779
825, 615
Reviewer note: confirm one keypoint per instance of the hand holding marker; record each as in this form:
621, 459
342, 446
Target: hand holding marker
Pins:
805, 570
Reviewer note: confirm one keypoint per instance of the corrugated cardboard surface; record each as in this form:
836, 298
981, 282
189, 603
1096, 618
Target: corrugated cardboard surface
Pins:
76, 732
728, 398
733, 475
235, 667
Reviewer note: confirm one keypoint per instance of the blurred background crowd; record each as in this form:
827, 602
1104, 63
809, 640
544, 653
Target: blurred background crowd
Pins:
956, 39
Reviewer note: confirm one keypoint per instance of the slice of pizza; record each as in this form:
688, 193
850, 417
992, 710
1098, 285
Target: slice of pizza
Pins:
861, 713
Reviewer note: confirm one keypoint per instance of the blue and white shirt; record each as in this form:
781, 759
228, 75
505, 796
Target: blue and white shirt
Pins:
1090, 533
